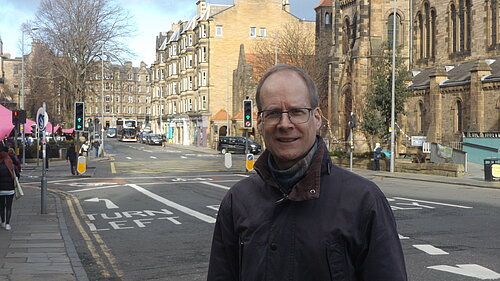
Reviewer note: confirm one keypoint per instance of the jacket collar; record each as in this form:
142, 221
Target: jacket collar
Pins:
309, 186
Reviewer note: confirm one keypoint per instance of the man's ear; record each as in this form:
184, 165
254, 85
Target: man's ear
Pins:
317, 117
260, 125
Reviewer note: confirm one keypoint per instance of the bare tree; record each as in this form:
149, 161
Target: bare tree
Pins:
76, 32
292, 44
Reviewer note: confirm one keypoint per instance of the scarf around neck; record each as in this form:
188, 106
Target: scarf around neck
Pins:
286, 179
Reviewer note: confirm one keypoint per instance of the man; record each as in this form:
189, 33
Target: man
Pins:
302, 218
72, 157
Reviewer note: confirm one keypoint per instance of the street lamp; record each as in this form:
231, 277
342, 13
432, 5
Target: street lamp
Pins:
393, 90
102, 100
22, 90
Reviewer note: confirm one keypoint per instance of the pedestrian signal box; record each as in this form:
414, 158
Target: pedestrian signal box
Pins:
247, 114
79, 116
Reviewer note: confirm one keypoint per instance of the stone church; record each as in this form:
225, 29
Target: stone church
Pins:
451, 53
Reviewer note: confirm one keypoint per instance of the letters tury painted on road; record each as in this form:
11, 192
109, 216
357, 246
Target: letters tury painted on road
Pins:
129, 219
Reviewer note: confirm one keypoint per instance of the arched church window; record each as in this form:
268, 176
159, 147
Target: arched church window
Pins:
391, 29
420, 116
327, 18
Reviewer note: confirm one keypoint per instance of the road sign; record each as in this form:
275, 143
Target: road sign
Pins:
250, 161
42, 119
81, 167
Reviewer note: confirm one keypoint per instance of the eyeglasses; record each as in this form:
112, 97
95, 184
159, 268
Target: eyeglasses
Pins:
295, 115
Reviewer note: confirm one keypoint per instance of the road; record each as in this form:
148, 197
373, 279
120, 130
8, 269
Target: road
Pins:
149, 212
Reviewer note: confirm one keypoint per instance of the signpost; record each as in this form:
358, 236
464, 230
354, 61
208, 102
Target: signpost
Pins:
81, 167
42, 119
249, 162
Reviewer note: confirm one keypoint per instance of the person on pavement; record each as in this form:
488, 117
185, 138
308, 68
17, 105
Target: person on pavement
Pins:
85, 149
95, 147
7, 175
301, 217
72, 157
15, 161
377, 155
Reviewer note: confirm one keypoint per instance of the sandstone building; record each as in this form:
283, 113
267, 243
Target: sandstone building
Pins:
127, 93
193, 99
454, 88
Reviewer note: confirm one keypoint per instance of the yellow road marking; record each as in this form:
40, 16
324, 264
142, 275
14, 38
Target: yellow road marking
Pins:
113, 168
71, 199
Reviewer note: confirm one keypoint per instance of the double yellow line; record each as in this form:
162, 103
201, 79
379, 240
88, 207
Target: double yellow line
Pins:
94, 242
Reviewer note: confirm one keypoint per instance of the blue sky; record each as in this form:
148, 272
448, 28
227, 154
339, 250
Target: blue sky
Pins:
150, 16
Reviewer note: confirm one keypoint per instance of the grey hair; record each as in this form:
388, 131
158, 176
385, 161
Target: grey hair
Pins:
311, 86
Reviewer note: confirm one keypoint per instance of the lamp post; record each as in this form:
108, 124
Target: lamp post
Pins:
102, 106
22, 91
393, 90
102, 102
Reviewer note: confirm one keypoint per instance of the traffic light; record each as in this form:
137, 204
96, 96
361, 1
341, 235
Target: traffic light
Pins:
15, 117
22, 116
79, 116
247, 114
352, 121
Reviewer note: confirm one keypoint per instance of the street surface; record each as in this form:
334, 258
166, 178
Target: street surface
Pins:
148, 214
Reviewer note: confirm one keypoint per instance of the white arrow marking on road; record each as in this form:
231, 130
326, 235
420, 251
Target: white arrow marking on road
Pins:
431, 250
152, 157
216, 185
109, 204
129, 158
174, 205
470, 270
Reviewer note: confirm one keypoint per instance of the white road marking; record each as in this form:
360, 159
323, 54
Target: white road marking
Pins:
129, 158
174, 205
216, 185
153, 157
470, 270
145, 150
214, 207
431, 250
101, 187
109, 204
183, 157
435, 203
401, 237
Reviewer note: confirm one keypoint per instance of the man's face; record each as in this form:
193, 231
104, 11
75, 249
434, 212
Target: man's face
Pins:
287, 142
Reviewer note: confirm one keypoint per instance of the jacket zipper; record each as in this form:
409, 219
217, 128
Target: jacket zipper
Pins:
242, 244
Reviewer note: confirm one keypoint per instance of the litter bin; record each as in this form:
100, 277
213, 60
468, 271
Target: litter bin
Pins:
491, 169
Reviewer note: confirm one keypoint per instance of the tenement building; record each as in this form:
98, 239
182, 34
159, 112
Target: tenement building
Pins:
452, 48
126, 91
193, 101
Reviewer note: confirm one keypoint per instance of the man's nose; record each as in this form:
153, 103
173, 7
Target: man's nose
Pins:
285, 120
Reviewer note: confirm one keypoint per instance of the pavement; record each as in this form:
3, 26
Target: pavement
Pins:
39, 246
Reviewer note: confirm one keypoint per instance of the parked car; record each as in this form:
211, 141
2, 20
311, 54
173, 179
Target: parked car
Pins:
237, 145
111, 133
143, 136
154, 139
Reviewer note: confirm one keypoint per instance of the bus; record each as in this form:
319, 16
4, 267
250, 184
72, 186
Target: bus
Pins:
126, 130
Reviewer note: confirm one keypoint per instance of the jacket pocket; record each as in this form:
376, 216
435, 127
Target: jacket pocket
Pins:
337, 261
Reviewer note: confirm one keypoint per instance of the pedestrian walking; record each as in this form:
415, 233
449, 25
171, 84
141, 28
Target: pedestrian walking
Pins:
85, 149
377, 155
72, 157
15, 161
7, 175
95, 147
301, 217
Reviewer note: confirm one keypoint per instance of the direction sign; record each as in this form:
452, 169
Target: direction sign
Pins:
81, 167
42, 119
249, 163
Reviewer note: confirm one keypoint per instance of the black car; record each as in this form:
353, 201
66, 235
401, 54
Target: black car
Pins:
154, 139
237, 145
